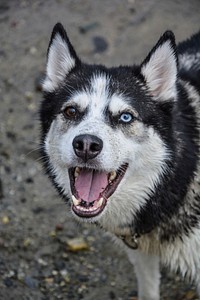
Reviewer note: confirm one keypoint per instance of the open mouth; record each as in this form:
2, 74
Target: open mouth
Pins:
92, 188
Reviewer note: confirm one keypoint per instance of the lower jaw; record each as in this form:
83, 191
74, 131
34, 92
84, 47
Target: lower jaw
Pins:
84, 213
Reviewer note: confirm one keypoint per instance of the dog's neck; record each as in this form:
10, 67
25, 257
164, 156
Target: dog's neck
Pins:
130, 240
128, 235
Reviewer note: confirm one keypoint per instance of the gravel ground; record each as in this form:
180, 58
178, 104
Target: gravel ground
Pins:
39, 258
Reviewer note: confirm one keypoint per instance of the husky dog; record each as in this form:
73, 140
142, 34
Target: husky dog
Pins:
121, 146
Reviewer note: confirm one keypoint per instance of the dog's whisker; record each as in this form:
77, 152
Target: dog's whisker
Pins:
42, 158
33, 150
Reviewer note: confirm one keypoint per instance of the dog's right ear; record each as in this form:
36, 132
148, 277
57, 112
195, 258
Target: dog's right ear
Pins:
61, 59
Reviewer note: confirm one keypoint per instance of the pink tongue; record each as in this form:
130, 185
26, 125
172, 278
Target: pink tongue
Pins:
90, 184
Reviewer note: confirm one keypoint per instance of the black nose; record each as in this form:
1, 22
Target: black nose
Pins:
87, 146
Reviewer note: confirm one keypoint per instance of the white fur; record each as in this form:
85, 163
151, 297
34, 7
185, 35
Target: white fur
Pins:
184, 255
160, 72
59, 63
147, 272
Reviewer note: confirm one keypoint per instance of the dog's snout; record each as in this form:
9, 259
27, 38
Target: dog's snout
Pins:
87, 146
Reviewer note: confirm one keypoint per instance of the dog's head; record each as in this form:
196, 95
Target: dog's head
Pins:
106, 131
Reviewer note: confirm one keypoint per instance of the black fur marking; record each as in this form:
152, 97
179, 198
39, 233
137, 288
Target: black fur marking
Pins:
191, 76
169, 195
191, 45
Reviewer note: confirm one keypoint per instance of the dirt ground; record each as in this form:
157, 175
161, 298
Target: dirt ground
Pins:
37, 261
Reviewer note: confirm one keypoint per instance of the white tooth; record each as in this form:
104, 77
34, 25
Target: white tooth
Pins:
75, 201
112, 176
77, 172
99, 202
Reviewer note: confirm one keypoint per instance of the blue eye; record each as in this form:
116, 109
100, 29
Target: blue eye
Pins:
126, 117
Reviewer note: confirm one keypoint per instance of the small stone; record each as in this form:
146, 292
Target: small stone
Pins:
82, 288
33, 50
54, 273
63, 283
65, 255
67, 279
29, 95
59, 227
49, 280
77, 244
27, 242
8, 282
42, 262
31, 282
5, 220
32, 107
113, 283
52, 234
20, 276
63, 272
82, 278
90, 266
91, 238
11, 274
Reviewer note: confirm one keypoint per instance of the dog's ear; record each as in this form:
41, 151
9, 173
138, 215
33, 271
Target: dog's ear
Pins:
160, 68
61, 58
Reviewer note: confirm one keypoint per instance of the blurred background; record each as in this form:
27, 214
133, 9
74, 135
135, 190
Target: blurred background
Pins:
44, 254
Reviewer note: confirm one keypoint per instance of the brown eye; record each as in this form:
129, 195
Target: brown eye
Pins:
70, 112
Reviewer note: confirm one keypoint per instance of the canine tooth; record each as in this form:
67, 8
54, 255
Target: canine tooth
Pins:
100, 202
112, 176
77, 172
75, 201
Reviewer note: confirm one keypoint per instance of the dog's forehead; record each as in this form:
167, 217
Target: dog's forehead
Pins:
97, 96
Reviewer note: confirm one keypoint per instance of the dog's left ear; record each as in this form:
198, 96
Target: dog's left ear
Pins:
61, 58
160, 68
